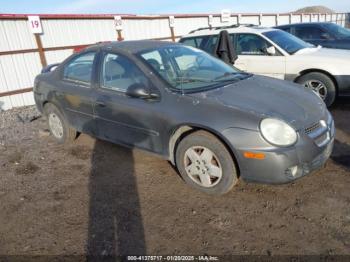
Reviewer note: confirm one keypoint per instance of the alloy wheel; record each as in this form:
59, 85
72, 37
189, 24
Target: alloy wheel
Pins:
318, 87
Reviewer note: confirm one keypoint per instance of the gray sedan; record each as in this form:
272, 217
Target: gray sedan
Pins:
214, 122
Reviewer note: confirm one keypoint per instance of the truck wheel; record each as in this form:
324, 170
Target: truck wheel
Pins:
59, 128
321, 84
206, 164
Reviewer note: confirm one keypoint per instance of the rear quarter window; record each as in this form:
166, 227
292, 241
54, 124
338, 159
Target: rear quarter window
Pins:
79, 69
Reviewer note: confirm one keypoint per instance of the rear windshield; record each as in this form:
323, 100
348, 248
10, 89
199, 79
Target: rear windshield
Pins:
337, 30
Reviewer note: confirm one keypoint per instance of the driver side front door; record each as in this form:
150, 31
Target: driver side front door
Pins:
122, 119
253, 58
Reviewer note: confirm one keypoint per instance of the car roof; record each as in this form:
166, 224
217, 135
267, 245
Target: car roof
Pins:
230, 29
134, 46
308, 23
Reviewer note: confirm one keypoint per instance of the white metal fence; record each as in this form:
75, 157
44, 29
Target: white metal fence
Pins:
21, 58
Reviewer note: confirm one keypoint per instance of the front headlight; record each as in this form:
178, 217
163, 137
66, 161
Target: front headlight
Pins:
277, 132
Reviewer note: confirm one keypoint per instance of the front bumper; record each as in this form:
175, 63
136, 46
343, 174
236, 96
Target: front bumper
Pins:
281, 165
38, 98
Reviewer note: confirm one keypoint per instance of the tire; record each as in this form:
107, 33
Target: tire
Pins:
325, 80
66, 134
195, 145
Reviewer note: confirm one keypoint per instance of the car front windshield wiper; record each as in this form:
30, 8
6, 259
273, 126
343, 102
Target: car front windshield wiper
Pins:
231, 76
224, 76
185, 80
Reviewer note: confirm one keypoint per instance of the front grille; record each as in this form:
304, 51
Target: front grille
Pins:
313, 128
319, 132
322, 139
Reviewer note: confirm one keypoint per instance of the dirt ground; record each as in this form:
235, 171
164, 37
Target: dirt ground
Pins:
93, 197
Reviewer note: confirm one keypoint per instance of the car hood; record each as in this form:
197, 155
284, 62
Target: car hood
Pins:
324, 53
269, 97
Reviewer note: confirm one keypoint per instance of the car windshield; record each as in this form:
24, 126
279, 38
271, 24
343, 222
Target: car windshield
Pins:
337, 30
286, 41
187, 68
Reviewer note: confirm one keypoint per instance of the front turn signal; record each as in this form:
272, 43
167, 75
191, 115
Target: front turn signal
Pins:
253, 155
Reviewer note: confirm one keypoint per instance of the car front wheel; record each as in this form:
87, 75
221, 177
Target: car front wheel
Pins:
206, 164
321, 84
59, 128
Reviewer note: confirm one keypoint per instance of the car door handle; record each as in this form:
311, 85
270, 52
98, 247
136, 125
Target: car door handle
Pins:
101, 104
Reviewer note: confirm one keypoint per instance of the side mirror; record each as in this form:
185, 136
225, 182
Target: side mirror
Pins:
271, 50
140, 91
325, 36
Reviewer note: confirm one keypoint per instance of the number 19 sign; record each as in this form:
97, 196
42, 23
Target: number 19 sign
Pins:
35, 24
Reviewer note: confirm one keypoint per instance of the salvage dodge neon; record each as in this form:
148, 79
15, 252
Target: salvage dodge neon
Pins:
214, 122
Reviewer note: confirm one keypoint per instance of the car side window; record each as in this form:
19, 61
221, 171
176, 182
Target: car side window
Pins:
211, 44
206, 43
118, 73
251, 44
197, 42
79, 69
154, 59
309, 32
194, 41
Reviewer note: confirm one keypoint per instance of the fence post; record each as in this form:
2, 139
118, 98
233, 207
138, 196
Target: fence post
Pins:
41, 50
239, 18
260, 19
118, 23
171, 25
210, 21
34, 23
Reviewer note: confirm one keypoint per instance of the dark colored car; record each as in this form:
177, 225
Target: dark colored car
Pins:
212, 121
327, 35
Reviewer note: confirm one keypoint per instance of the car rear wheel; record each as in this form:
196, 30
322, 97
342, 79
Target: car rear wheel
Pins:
59, 128
321, 84
206, 164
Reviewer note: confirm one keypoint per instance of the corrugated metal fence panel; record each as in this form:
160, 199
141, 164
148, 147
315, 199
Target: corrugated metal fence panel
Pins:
53, 57
15, 35
296, 19
268, 20
283, 19
343, 19
314, 18
305, 18
60, 32
16, 72
184, 25
136, 29
255, 20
